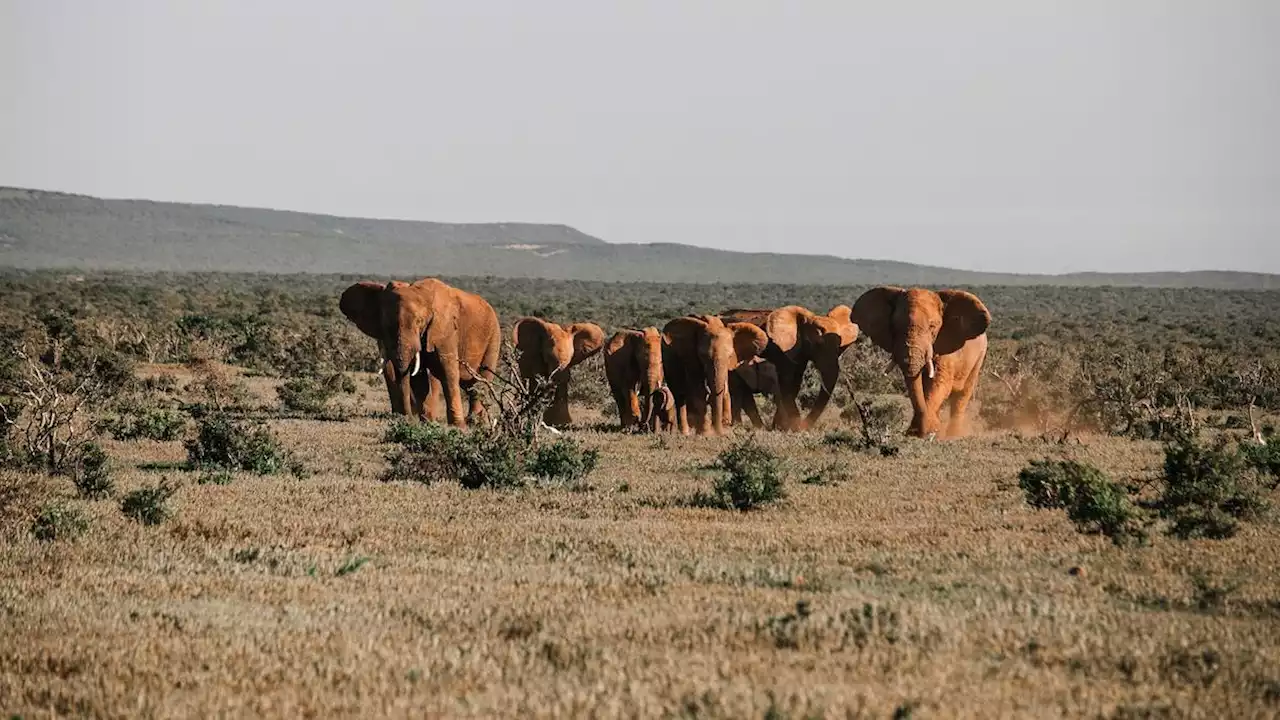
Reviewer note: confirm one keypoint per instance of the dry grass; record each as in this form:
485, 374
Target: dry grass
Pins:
922, 584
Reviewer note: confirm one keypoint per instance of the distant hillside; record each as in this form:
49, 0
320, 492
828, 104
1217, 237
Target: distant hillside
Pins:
40, 229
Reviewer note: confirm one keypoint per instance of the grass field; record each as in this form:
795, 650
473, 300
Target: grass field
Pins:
922, 585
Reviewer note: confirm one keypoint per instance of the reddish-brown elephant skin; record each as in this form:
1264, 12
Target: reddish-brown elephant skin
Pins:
633, 366
939, 342
548, 350
436, 341
698, 353
797, 338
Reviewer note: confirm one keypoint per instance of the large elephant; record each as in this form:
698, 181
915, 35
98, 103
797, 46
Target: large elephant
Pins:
633, 364
937, 339
698, 353
798, 337
431, 335
548, 350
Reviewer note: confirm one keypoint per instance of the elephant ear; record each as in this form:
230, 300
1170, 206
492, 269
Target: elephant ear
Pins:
530, 335
964, 318
840, 322
588, 338
784, 328
682, 334
873, 314
361, 304
748, 341
619, 341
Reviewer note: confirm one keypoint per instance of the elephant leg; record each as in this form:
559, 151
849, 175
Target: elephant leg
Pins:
787, 416
628, 407
420, 385
749, 406
936, 392
829, 370
394, 392
743, 399
434, 405
958, 425
452, 382
696, 409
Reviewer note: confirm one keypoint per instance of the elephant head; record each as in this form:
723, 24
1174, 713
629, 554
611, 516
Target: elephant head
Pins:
400, 316
704, 350
550, 350
547, 349
633, 361
916, 326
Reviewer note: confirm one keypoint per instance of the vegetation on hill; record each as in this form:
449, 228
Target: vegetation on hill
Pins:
40, 229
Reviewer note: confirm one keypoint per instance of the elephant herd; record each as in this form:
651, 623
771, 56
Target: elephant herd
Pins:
699, 373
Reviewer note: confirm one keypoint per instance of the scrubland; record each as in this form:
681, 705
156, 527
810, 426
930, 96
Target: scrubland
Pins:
913, 583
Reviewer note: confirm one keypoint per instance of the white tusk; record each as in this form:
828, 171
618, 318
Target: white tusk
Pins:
930, 366
417, 364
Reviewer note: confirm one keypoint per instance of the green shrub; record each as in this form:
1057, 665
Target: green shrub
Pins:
432, 453
415, 436
489, 459
1104, 507
92, 473
753, 476
225, 443
1209, 489
311, 394
1092, 501
149, 505
564, 461
55, 521
1265, 458
1053, 483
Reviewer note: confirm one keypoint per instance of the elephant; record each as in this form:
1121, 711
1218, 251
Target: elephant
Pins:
937, 339
451, 334
548, 350
633, 362
698, 353
798, 337
663, 415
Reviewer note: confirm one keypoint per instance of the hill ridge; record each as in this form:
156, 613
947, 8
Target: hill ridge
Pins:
47, 229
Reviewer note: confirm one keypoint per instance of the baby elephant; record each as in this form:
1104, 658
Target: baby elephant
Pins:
662, 416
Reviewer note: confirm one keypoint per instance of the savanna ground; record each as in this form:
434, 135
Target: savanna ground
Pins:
919, 584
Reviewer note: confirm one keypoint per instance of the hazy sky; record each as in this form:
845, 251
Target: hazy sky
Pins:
1021, 135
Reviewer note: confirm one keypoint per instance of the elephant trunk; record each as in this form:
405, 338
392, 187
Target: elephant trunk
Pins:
915, 356
650, 373
646, 409
408, 360
719, 387
919, 405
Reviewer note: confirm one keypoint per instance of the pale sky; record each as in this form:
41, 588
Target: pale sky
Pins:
1014, 135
